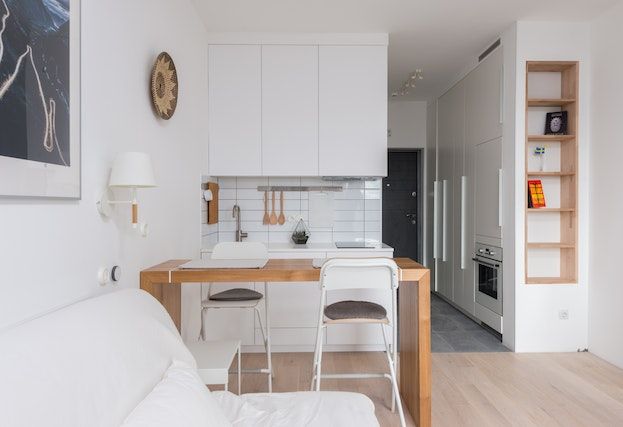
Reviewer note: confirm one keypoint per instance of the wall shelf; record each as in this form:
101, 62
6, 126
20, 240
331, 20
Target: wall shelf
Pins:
548, 102
550, 245
545, 210
541, 269
550, 281
545, 174
551, 138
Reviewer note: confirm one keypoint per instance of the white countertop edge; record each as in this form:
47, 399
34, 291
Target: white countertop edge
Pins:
315, 247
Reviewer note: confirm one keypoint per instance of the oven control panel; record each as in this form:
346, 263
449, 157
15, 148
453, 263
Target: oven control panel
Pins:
488, 251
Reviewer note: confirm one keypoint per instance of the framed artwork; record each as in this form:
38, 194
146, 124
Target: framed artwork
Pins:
40, 98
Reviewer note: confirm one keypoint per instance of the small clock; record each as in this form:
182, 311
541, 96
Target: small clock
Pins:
164, 86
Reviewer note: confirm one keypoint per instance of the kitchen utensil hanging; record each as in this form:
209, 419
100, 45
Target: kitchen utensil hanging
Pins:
282, 217
273, 215
266, 219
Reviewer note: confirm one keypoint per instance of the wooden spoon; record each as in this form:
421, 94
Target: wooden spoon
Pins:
273, 215
282, 217
266, 219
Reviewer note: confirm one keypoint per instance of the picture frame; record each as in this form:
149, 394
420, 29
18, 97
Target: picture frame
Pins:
556, 123
40, 108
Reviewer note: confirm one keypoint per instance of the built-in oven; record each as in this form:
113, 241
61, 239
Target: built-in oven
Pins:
488, 261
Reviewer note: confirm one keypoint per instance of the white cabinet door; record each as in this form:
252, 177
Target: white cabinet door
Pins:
235, 111
445, 153
484, 100
353, 110
289, 110
488, 162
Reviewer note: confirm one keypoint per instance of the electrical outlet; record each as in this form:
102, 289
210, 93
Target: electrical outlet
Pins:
563, 314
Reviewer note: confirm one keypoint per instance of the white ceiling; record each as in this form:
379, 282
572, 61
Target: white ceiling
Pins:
439, 36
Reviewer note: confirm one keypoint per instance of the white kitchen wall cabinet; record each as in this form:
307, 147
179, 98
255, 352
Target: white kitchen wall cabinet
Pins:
235, 110
353, 110
297, 104
484, 97
289, 110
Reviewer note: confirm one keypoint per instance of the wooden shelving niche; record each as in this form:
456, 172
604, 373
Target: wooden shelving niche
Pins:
552, 232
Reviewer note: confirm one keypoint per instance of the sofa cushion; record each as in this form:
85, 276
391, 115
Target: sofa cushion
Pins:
180, 399
89, 364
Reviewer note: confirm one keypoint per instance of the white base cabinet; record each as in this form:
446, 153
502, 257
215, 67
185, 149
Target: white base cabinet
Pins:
294, 309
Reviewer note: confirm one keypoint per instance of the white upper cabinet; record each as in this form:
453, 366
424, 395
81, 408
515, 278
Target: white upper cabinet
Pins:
235, 110
298, 104
289, 110
484, 93
353, 111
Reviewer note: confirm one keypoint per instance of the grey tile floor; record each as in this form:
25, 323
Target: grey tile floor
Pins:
454, 332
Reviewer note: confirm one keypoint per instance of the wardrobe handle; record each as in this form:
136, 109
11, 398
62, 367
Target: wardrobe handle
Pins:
444, 225
463, 219
500, 184
436, 202
502, 94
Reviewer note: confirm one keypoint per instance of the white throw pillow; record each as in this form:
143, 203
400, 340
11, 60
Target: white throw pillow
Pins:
180, 399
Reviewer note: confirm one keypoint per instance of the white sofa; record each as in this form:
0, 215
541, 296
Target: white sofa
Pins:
96, 362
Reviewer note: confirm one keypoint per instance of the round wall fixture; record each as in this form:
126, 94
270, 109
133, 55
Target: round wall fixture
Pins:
164, 86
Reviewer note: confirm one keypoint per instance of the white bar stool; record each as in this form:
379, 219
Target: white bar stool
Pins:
241, 298
364, 273
214, 359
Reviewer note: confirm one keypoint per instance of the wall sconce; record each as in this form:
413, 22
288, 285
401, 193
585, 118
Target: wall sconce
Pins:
129, 170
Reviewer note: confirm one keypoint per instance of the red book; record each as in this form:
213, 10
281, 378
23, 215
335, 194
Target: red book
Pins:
536, 198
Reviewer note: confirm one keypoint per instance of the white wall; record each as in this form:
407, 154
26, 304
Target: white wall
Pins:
538, 327
407, 122
606, 229
51, 250
509, 45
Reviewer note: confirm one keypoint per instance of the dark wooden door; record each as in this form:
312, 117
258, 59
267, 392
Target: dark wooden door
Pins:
401, 204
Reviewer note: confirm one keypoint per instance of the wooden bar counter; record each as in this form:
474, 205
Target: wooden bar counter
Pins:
164, 281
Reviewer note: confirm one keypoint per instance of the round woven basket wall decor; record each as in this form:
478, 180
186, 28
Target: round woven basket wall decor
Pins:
164, 86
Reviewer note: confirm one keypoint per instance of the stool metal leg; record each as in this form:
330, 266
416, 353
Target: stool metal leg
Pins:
239, 371
392, 371
267, 343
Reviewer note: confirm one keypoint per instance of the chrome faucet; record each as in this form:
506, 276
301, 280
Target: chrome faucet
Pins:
239, 233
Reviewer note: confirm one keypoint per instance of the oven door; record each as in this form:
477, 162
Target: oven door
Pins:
489, 284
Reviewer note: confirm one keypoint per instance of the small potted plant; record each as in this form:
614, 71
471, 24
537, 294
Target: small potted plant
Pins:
300, 235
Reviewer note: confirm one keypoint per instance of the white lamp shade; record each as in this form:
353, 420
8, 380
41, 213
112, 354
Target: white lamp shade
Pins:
132, 170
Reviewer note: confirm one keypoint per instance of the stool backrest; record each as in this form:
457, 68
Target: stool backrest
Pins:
359, 273
240, 250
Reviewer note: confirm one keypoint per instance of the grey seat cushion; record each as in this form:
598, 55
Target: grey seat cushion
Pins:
355, 310
238, 294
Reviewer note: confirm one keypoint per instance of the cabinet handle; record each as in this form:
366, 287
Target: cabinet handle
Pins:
502, 95
436, 202
463, 219
444, 225
500, 184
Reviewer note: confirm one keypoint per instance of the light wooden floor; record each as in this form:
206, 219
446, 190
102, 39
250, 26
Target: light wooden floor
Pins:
474, 389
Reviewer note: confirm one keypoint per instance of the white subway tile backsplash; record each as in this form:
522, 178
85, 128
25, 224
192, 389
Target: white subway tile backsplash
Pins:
349, 226
349, 216
373, 205
357, 210
349, 205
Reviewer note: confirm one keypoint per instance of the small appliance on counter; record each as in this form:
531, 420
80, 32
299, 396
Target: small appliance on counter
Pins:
354, 245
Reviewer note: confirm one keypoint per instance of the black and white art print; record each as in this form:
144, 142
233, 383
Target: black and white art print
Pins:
39, 98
